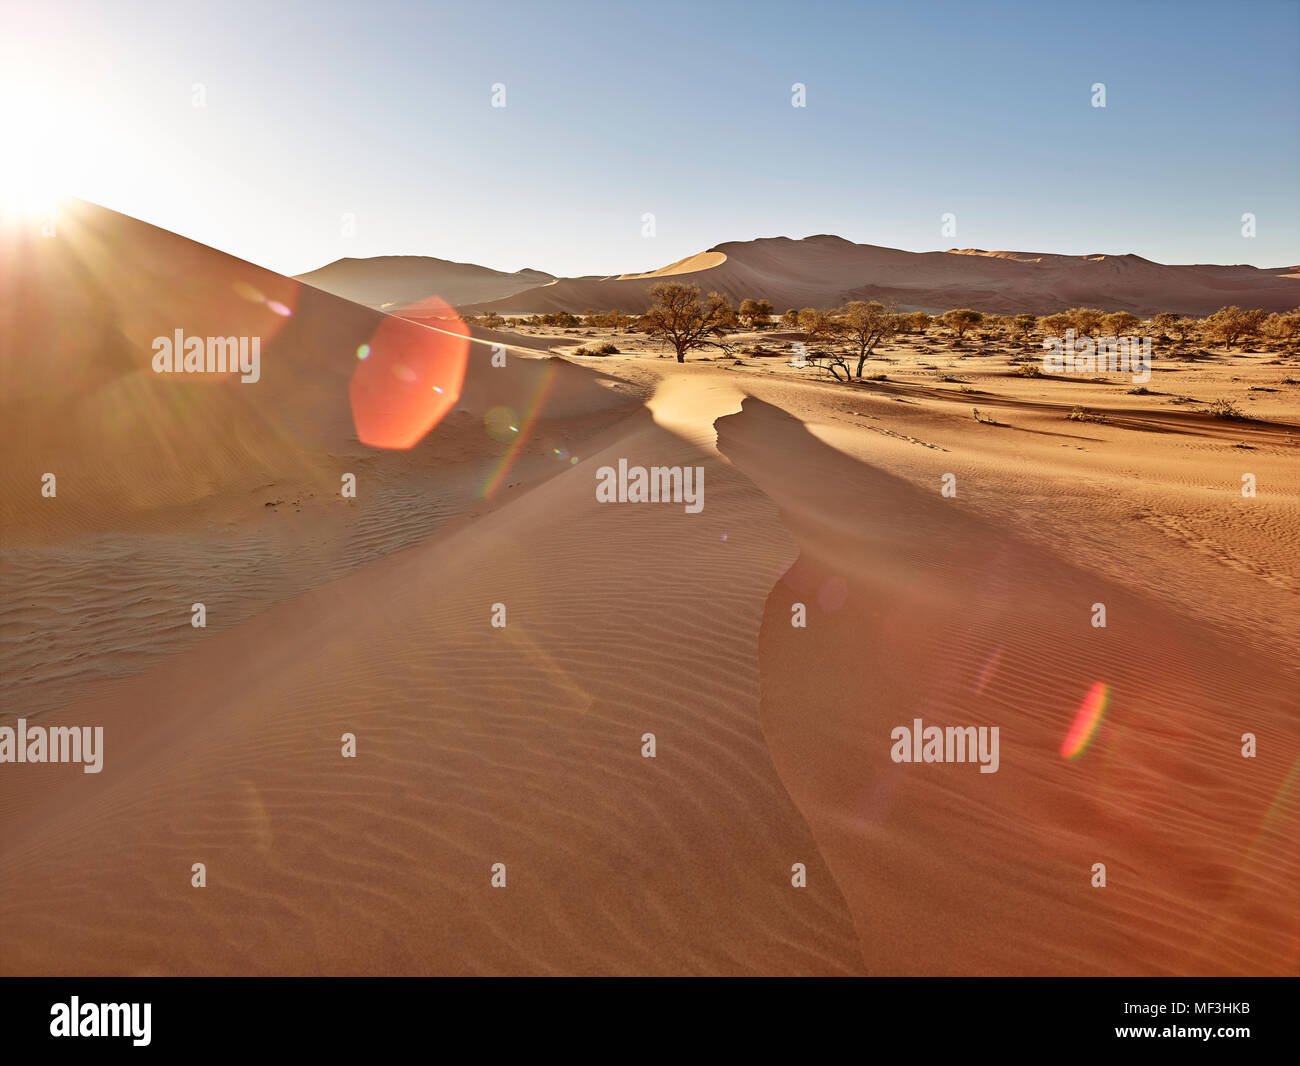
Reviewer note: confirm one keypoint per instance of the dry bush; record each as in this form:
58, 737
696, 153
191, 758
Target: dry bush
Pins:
1227, 409
1086, 414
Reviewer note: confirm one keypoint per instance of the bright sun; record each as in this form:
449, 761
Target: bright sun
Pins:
37, 143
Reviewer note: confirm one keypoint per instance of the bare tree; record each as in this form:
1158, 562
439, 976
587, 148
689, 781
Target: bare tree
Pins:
686, 320
868, 324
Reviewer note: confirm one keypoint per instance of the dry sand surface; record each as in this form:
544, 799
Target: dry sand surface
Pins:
522, 745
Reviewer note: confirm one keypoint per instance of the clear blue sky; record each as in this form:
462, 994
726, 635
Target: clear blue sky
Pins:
914, 109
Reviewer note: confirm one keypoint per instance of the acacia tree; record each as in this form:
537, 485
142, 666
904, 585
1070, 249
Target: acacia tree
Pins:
685, 319
1086, 320
1163, 323
868, 324
755, 313
1232, 324
1121, 323
1185, 329
960, 320
1022, 325
817, 326
1058, 323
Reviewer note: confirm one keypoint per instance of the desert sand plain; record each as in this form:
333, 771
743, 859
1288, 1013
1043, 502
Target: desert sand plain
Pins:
522, 745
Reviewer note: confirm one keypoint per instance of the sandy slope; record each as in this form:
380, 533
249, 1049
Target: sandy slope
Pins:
920, 609
477, 745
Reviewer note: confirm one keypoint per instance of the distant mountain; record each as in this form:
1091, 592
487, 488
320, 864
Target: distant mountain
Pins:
826, 271
397, 282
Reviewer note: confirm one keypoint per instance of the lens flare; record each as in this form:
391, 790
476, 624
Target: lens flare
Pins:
1086, 721
988, 669
518, 431
407, 380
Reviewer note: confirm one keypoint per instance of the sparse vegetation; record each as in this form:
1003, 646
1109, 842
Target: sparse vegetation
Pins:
1225, 408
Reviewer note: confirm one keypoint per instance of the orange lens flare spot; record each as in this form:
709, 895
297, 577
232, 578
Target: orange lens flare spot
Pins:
407, 378
1086, 721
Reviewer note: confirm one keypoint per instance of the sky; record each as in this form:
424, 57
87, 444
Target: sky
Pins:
292, 134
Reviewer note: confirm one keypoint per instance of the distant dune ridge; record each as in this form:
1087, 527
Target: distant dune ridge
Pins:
395, 282
827, 271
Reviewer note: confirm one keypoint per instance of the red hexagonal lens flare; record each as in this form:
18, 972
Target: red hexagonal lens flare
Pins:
408, 377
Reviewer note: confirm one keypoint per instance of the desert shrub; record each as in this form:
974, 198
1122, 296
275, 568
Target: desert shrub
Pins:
1226, 409
1281, 328
1085, 414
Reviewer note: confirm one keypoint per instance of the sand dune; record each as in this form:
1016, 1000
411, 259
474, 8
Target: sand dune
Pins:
690, 265
826, 271
396, 282
919, 609
522, 745
477, 745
